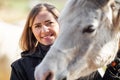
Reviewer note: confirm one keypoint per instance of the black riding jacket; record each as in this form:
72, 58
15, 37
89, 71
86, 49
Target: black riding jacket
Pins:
23, 68
113, 70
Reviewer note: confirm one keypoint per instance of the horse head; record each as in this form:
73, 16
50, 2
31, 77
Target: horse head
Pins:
88, 40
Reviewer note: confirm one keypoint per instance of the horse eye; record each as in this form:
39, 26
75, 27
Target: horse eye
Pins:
89, 29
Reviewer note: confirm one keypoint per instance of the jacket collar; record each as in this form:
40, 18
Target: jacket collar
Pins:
40, 52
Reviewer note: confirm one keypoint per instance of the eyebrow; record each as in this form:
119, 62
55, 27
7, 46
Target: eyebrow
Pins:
47, 21
37, 24
40, 23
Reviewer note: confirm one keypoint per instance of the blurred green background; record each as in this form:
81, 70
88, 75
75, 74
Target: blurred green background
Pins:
14, 12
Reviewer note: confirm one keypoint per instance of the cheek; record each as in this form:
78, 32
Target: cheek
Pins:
36, 33
57, 30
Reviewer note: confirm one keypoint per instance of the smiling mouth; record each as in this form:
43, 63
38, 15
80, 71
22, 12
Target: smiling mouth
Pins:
48, 36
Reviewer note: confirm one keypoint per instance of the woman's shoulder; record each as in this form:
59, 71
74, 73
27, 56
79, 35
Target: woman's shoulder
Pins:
17, 62
26, 60
20, 61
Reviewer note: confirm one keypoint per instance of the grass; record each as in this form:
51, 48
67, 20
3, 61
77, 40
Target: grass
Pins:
4, 69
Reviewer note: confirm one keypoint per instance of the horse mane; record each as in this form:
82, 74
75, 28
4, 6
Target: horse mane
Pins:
116, 18
101, 3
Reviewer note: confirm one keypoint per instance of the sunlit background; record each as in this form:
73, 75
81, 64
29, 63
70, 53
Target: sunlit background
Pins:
13, 14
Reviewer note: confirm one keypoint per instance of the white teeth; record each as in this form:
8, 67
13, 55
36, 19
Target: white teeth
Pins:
47, 36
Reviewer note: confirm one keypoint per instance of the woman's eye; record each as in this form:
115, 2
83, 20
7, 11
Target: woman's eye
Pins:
49, 23
89, 29
37, 26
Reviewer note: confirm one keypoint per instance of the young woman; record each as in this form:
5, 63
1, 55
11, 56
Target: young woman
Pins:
40, 32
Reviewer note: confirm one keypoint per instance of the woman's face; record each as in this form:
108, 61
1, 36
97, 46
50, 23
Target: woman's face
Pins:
45, 28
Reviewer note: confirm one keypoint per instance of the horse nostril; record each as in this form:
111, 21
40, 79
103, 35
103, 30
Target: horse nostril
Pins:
64, 78
49, 76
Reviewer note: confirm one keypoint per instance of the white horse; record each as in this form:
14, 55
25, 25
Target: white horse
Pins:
88, 40
9, 38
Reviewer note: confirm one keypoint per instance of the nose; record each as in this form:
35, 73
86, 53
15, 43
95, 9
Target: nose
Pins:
46, 76
49, 76
44, 29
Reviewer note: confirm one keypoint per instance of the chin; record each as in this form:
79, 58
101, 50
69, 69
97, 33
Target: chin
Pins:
50, 43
